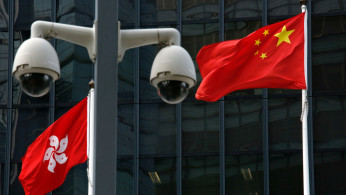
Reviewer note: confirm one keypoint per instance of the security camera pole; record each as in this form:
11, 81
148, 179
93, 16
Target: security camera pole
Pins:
106, 45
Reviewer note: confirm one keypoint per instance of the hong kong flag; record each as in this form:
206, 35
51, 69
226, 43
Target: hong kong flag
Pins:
271, 57
60, 147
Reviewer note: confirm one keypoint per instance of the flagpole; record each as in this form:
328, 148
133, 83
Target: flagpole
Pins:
304, 116
91, 139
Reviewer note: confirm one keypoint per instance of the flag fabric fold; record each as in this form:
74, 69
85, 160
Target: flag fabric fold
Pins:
271, 57
60, 147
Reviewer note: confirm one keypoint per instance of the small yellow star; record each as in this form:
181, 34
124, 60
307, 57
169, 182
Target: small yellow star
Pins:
283, 36
264, 55
266, 32
256, 52
257, 42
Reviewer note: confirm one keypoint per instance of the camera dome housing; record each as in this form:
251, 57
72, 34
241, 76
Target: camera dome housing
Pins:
35, 66
173, 74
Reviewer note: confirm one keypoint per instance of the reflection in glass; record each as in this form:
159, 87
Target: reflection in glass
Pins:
200, 126
125, 129
201, 175
329, 115
157, 127
26, 12
3, 66
244, 174
127, 15
27, 125
126, 77
330, 171
286, 174
3, 130
283, 8
4, 18
284, 123
15, 186
76, 181
200, 10
157, 176
328, 6
243, 9
243, 125
124, 176
328, 62
155, 12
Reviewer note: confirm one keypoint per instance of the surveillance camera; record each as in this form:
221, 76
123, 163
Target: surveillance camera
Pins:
36, 66
173, 74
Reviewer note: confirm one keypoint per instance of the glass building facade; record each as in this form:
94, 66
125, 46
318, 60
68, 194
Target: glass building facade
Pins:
248, 142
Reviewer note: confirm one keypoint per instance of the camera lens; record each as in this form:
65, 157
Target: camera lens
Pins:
172, 92
35, 84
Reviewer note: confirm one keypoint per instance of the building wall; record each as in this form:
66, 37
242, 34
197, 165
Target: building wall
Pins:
248, 142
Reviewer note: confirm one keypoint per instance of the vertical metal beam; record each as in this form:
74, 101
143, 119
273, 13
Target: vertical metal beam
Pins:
10, 27
265, 116
179, 138
310, 111
222, 151
106, 69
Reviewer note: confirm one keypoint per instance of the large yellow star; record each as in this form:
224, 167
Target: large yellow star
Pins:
264, 55
266, 32
283, 36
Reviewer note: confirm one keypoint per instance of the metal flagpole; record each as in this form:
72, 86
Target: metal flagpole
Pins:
91, 139
304, 116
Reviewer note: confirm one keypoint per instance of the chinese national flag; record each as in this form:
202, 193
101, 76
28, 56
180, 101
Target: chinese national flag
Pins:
271, 57
61, 146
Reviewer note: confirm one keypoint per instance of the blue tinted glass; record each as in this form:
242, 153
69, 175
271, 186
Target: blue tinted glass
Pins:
157, 176
125, 176
3, 130
244, 174
157, 126
126, 77
243, 125
243, 9
125, 129
329, 122
127, 15
285, 126
201, 175
200, 125
197, 11
3, 67
158, 12
26, 12
328, 6
76, 181
283, 8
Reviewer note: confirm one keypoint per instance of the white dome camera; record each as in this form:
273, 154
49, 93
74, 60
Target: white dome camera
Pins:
36, 66
173, 74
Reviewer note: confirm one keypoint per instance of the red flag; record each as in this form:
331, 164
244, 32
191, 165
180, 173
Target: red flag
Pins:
271, 57
61, 146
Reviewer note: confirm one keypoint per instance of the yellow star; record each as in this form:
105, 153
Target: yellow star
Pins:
264, 55
266, 32
283, 36
256, 52
257, 42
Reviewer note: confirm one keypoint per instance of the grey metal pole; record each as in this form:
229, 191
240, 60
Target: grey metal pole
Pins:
106, 17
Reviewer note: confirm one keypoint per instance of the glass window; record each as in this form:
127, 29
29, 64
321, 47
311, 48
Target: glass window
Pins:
283, 8
125, 129
285, 126
286, 174
3, 66
243, 125
329, 53
244, 174
127, 15
158, 12
329, 115
157, 126
4, 14
243, 9
328, 6
76, 181
125, 176
16, 187
200, 127
197, 11
27, 125
330, 171
126, 77
157, 176
26, 12
3, 130
201, 175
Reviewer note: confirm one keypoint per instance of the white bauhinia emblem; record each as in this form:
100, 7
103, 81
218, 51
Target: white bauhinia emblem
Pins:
53, 154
